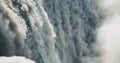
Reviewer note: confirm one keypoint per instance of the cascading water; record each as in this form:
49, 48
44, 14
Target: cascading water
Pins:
59, 31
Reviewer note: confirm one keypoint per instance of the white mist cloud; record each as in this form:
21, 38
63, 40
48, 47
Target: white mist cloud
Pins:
110, 7
15, 59
109, 33
109, 38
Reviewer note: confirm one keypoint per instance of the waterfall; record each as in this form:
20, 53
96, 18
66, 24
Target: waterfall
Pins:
59, 31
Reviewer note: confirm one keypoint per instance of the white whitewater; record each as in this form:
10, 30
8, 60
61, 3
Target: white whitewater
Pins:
15, 59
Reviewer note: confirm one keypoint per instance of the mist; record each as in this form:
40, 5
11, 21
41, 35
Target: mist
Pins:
108, 34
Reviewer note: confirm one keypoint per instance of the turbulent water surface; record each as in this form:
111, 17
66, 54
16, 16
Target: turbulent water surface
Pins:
59, 31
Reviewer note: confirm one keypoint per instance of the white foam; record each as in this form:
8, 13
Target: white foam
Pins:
15, 59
